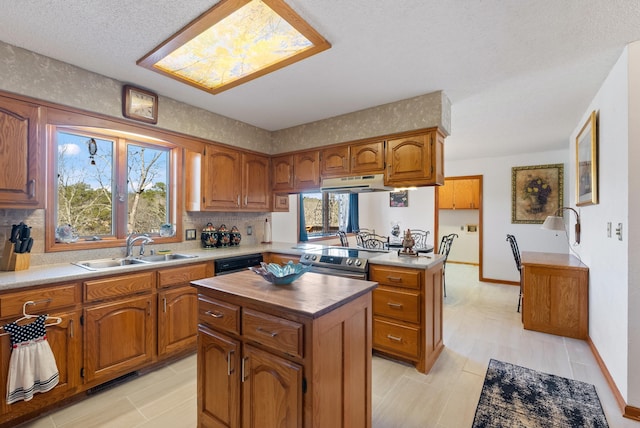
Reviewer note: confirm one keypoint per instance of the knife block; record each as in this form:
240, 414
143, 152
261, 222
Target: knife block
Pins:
12, 260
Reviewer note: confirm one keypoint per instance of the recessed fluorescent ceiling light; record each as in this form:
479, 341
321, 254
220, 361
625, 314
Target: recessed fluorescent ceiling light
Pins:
234, 42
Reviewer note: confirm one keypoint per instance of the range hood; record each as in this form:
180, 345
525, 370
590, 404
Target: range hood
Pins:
360, 183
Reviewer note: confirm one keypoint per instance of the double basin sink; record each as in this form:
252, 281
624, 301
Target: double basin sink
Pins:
102, 264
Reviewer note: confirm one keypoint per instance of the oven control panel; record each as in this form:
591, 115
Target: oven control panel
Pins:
334, 261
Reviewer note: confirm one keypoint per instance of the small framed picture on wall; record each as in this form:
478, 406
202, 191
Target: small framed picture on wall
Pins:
399, 199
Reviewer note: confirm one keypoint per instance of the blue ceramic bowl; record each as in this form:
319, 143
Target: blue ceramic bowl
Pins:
281, 275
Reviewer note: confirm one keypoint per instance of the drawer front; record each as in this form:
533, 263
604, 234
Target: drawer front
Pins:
395, 276
181, 275
218, 315
401, 305
124, 285
277, 333
44, 299
396, 338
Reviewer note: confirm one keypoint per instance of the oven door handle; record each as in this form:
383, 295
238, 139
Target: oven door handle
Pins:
339, 272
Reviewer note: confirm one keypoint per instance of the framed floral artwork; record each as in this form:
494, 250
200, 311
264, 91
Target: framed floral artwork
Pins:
536, 192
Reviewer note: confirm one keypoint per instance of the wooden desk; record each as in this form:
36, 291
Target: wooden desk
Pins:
555, 294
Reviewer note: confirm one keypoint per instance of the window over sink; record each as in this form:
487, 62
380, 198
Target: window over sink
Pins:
106, 184
325, 213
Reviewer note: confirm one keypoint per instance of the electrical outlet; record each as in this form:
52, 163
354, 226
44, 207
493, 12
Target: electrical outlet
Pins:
619, 231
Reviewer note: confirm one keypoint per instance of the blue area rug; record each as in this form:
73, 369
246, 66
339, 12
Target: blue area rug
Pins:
514, 396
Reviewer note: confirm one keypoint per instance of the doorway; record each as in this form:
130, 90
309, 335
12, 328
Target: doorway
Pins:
458, 209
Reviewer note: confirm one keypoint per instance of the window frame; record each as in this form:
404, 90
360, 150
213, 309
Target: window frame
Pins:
122, 139
325, 217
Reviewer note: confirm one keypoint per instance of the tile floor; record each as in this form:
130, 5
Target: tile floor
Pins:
480, 322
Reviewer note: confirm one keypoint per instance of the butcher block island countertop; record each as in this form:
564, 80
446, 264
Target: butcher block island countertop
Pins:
296, 355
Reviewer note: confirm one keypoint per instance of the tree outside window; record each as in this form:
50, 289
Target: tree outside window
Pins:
325, 213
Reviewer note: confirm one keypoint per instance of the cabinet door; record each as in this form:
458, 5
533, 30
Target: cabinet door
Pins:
222, 178
463, 195
118, 337
280, 203
218, 380
21, 158
367, 158
271, 390
445, 195
282, 172
410, 160
177, 320
335, 161
307, 170
65, 340
256, 187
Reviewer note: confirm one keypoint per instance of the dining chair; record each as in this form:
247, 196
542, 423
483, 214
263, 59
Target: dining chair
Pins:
443, 249
344, 242
419, 238
361, 236
373, 241
516, 256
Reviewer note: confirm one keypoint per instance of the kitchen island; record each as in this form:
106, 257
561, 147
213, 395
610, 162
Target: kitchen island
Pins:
295, 355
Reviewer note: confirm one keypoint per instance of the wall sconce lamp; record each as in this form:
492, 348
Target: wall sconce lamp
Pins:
555, 222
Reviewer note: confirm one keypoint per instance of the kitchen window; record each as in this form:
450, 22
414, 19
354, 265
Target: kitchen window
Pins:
107, 184
325, 213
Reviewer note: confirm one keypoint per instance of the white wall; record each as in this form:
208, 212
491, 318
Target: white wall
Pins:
284, 226
607, 258
375, 212
633, 234
498, 261
466, 247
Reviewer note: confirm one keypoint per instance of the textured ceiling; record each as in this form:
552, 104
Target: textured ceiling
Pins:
519, 74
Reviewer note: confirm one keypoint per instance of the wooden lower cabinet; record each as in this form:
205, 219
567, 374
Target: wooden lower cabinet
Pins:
407, 313
262, 366
118, 337
177, 319
555, 294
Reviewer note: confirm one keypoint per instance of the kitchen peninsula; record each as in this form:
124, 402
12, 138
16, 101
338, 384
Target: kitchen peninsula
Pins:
284, 355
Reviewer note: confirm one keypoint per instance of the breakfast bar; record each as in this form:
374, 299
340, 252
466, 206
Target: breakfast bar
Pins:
296, 355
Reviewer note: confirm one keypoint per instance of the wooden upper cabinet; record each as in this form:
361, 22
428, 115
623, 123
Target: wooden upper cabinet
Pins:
306, 170
459, 194
335, 161
413, 160
367, 157
225, 179
22, 183
361, 158
256, 187
282, 172
220, 174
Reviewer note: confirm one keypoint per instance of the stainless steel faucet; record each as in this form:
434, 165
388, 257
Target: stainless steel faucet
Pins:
131, 240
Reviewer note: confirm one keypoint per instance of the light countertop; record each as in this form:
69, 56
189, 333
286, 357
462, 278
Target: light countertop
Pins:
47, 274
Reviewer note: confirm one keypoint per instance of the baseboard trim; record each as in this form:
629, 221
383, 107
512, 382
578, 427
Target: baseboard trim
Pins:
629, 412
463, 263
500, 281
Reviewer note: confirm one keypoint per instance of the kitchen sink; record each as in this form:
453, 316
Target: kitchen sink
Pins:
165, 257
108, 263
102, 264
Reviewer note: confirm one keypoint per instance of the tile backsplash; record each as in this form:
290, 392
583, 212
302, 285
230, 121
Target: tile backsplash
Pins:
191, 220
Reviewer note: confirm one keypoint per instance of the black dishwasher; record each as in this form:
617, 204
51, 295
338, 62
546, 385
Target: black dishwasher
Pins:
235, 264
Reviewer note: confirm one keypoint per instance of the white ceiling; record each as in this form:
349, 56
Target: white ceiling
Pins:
519, 74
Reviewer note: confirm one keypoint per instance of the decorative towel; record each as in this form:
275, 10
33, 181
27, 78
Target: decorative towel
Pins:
32, 367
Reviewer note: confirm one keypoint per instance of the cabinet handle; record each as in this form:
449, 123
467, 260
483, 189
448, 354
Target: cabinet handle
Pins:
238, 203
268, 333
32, 188
71, 328
394, 338
246, 200
214, 314
244, 360
394, 279
395, 305
229, 369
164, 305
149, 307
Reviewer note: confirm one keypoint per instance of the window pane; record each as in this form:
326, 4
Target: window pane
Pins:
325, 213
85, 183
148, 193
